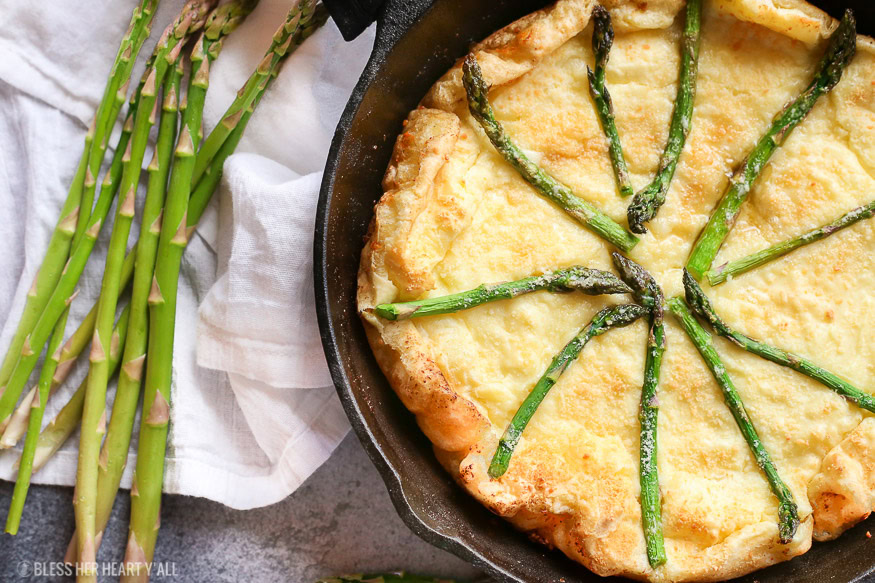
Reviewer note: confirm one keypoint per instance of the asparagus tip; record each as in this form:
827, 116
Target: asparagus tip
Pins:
789, 521
699, 302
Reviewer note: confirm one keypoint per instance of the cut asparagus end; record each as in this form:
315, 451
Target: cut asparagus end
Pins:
393, 311
501, 460
722, 273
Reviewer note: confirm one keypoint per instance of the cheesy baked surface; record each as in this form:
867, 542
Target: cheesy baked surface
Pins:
455, 215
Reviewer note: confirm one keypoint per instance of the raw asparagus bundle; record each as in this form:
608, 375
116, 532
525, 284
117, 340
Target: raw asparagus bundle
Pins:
168, 46
788, 518
648, 293
191, 19
15, 428
113, 456
648, 200
66, 421
602, 39
583, 279
841, 49
608, 318
702, 307
74, 346
77, 206
754, 260
68, 418
582, 211
146, 489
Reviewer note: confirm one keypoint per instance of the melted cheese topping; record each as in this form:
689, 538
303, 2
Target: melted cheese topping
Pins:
579, 455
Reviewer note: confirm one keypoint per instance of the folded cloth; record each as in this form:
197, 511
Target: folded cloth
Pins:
253, 413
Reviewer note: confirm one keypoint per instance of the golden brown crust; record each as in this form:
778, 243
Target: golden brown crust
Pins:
843, 492
393, 267
626, 15
420, 154
512, 51
415, 225
794, 18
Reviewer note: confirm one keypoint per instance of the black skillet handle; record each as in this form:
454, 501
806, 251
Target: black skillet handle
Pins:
353, 16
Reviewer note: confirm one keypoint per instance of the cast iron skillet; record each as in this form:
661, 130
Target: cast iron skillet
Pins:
417, 41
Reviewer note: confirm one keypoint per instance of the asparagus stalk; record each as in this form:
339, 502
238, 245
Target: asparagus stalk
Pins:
114, 97
38, 407
649, 294
754, 260
67, 419
190, 20
66, 286
788, 518
839, 52
648, 200
602, 39
46, 277
77, 342
583, 279
702, 307
206, 186
550, 188
137, 33
113, 457
74, 214
608, 318
60, 428
209, 181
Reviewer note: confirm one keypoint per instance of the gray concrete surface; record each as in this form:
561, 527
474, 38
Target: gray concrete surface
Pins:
341, 520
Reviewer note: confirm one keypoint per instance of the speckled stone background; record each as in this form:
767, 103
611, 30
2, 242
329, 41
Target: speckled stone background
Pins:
341, 520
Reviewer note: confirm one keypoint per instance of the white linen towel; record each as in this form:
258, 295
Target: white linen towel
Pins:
253, 411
